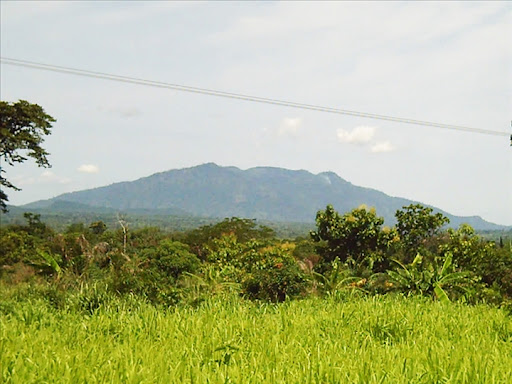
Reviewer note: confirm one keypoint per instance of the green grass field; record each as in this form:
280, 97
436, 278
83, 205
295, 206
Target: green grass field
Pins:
345, 339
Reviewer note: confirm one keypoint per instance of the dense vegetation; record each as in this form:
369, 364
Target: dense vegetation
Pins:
230, 302
349, 251
60, 220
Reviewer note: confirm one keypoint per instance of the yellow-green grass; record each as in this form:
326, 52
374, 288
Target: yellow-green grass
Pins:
229, 340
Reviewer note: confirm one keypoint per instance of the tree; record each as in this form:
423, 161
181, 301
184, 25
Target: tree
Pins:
98, 227
169, 259
243, 229
352, 237
22, 129
35, 225
416, 225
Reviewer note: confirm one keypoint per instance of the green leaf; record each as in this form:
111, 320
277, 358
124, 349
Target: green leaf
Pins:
447, 264
417, 260
398, 278
50, 262
455, 277
441, 294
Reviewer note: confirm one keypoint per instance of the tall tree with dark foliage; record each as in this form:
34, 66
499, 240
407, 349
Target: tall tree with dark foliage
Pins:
23, 127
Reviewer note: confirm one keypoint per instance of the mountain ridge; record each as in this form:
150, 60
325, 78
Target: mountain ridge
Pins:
265, 193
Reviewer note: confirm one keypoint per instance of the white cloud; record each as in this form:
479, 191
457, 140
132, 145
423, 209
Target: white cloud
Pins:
359, 135
290, 126
46, 177
382, 146
23, 180
50, 177
88, 168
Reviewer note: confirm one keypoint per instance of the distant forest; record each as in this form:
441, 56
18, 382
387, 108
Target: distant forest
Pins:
60, 220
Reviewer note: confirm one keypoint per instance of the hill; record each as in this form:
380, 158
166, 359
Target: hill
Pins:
264, 193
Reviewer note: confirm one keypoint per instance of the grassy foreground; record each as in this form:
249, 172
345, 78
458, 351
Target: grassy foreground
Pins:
345, 339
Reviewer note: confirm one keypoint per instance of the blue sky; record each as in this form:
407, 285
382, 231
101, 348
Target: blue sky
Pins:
448, 62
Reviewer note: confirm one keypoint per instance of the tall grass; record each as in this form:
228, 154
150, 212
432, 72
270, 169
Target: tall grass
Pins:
228, 340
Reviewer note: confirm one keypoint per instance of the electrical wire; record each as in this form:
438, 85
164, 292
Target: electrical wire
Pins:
238, 96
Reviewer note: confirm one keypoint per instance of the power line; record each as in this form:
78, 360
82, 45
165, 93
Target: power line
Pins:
238, 96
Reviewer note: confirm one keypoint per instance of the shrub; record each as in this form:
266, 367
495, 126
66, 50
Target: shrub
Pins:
170, 258
155, 271
277, 283
266, 270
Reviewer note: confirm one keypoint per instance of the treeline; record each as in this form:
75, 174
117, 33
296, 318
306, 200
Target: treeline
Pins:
346, 252
60, 220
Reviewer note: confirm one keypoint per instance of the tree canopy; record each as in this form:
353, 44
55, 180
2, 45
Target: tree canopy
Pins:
23, 127
351, 237
416, 224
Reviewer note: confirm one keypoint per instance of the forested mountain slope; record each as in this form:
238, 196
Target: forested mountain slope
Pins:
265, 193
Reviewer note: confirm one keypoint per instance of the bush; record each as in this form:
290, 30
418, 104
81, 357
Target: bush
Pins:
155, 271
470, 252
266, 270
276, 284
170, 258
15, 246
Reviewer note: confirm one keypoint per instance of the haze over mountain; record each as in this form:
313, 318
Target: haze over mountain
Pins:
265, 193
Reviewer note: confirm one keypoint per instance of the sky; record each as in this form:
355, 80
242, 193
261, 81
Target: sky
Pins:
446, 62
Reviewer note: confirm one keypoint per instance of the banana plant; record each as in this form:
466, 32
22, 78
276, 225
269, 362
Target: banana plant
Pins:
211, 281
336, 279
47, 264
428, 280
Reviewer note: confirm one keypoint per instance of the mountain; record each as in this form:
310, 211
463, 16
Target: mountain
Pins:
265, 193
